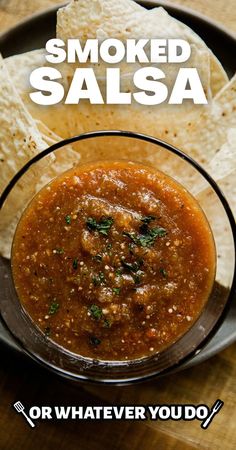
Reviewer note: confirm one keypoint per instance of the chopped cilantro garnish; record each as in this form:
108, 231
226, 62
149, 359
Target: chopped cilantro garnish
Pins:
94, 340
98, 279
131, 235
158, 232
91, 223
147, 219
107, 323
131, 247
137, 276
96, 312
144, 228
132, 267
102, 226
163, 272
97, 257
75, 263
53, 308
102, 277
119, 271
147, 238
116, 291
58, 251
68, 219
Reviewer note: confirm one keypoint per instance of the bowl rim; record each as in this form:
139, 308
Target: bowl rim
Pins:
156, 141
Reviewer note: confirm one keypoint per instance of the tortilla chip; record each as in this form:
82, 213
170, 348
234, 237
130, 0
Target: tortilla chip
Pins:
62, 160
224, 162
219, 77
228, 187
20, 67
221, 229
20, 137
105, 18
209, 131
20, 141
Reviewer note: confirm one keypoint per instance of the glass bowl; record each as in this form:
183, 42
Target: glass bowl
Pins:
105, 145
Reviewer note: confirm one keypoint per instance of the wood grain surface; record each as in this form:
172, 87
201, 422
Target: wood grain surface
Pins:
22, 380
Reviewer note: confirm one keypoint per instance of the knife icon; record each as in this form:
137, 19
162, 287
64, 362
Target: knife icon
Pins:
214, 410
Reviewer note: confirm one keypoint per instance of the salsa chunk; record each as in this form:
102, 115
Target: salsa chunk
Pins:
113, 260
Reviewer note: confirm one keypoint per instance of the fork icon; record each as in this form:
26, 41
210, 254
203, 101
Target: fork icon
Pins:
214, 410
20, 409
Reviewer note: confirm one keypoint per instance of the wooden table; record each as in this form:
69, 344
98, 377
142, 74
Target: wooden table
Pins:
21, 380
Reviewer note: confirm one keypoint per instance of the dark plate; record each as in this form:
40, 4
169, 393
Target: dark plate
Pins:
34, 32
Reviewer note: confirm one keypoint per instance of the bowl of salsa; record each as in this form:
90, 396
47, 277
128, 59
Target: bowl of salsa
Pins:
119, 271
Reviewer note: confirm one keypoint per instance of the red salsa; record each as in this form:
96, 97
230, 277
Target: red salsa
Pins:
113, 260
